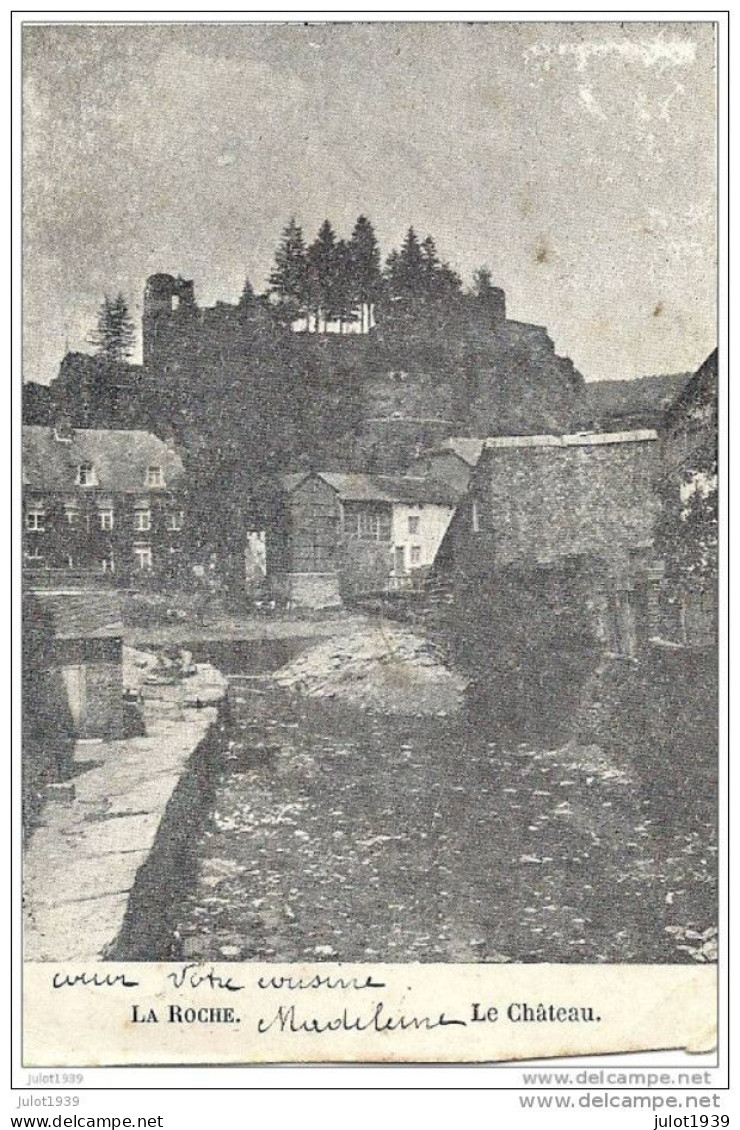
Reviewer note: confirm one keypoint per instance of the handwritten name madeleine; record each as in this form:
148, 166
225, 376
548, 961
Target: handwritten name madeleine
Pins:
288, 1018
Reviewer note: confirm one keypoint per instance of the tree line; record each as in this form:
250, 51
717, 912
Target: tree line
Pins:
329, 280
337, 280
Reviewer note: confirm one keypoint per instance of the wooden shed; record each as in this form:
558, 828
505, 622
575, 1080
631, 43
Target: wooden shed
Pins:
302, 545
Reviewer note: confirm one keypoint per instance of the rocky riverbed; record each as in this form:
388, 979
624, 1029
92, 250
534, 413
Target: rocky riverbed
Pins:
377, 666
362, 814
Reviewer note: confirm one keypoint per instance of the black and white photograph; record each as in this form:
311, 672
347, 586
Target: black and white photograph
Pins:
370, 494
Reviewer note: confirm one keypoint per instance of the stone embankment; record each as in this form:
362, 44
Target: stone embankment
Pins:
377, 667
106, 869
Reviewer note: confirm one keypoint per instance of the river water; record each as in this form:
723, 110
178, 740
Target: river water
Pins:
340, 835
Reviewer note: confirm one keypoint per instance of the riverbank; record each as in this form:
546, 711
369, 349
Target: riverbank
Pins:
107, 864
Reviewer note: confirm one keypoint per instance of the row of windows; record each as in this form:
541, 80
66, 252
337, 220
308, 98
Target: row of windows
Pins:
374, 525
86, 476
142, 558
400, 557
36, 518
370, 525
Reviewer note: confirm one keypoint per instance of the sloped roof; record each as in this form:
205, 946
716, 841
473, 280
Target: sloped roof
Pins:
75, 615
357, 488
632, 397
412, 488
120, 459
702, 385
354, 487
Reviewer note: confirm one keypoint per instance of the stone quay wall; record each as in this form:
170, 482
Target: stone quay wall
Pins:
107, 867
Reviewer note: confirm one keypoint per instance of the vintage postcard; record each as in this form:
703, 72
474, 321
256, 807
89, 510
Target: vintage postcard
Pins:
370, 540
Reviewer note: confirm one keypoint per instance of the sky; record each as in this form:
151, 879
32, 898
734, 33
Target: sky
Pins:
576, 160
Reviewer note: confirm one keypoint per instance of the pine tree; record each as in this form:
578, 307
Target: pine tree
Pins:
247, 297
411, 263
429, 256
114, 334
344, 296
392, 268
418, 278
450, 281
430, 272
364, 267
440, 282
288, 281
323, 275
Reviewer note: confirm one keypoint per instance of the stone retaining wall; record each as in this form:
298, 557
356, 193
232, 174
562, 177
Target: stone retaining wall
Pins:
165, 878
108, 864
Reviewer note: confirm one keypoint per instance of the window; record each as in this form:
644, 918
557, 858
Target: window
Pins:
108, 565
369, 522
154, 476
413, 524
143, 520
35, 519
415, 555
106, 519
475, 516
34, 554
174, 520
86, 475
143, 555
71, 513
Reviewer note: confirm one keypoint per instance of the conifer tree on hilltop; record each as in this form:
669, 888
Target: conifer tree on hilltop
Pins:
416, 275
324, 277
405, 268
346, 297
429, 257
366, 280
247, 297
439, 281
114, 335
288, 281
334, 280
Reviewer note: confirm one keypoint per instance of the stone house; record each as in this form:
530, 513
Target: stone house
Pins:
573, 510
102, 503
338, 534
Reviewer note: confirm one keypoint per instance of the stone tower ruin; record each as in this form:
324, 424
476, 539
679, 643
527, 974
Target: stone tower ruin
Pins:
166, 299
